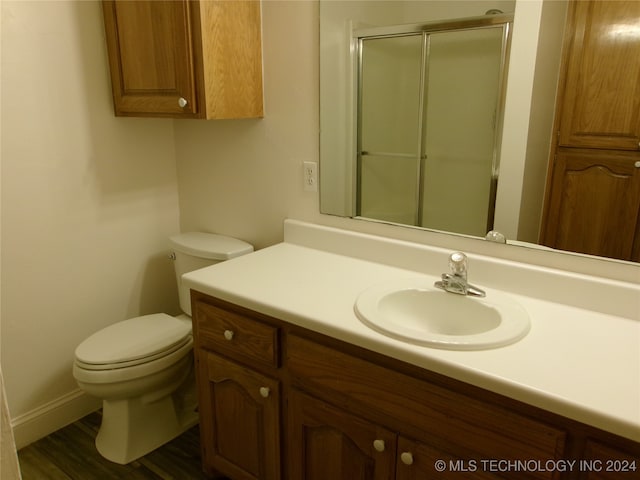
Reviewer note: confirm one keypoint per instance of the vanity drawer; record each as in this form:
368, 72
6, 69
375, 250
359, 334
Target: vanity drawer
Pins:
237, 336
433, 413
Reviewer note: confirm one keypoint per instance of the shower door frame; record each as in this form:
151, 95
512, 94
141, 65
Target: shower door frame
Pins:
504, 21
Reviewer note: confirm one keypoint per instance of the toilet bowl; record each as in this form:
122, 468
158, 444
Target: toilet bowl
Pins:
142, 368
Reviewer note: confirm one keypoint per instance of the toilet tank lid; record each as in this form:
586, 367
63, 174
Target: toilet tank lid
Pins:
209, 245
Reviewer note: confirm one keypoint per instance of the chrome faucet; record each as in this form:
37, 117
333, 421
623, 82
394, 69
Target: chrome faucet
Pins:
456, 281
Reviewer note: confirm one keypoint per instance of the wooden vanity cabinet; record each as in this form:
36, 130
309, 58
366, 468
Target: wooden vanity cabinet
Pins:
185, 58
236, 361
281, 402
359, 449
446, 423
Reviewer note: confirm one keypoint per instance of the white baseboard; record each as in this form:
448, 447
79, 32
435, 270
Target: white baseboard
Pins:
40, 422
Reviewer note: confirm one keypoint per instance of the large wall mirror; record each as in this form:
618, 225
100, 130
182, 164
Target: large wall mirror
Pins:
420, 105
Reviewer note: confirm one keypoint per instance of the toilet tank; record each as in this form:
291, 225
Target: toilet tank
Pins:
194, 250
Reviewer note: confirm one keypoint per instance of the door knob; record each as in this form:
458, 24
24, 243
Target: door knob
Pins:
407, 458
182, 102
228, 334
264, 391
378, 445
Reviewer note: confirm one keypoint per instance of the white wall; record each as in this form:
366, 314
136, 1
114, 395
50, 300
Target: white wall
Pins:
88, 201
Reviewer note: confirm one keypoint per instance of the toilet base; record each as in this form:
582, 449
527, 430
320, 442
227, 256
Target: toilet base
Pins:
131, 428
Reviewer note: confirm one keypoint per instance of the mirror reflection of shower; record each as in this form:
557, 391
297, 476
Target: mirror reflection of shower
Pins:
429, 115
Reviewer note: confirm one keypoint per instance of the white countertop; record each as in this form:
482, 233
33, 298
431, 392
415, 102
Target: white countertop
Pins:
579, 363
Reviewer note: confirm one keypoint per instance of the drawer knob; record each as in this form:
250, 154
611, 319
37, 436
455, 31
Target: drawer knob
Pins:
637, 164
378, 445
264, 391
407, 458
228, 334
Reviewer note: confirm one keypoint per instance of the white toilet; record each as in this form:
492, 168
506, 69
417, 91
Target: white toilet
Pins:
142, 368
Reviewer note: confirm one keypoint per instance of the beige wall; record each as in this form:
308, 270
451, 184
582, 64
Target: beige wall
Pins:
88, 201
244, 177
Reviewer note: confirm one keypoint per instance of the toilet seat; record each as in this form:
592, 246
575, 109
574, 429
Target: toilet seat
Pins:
133, 342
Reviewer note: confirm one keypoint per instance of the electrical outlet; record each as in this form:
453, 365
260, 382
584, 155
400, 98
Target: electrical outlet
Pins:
310, 176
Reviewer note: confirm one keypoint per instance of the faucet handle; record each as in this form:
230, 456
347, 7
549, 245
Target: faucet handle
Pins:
458, 264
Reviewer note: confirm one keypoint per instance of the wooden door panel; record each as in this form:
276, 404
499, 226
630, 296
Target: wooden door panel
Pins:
594, 203
326, 442
418, 461
601, 105
244, 428
603, 462
152, 81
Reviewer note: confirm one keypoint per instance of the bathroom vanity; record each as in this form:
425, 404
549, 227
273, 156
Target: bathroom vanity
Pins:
293, 385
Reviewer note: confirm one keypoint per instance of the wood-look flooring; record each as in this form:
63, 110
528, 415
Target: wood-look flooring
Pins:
70, 454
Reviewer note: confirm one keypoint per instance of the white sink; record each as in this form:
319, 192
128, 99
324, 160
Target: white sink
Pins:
416, 312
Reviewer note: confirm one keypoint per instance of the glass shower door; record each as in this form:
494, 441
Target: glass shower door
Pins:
428, 121
389, 128
460, 171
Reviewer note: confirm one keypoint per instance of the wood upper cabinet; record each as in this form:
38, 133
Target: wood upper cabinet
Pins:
185, 58
601, 102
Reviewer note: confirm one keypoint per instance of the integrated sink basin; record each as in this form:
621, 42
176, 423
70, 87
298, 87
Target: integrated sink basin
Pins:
416, 312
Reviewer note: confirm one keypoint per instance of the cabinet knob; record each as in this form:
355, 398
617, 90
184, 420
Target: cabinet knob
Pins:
228, 334
637, 164
378, 445
182, 102
264, 391
407, 458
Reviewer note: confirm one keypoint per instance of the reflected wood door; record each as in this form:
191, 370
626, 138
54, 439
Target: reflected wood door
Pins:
601, 103
328, 443
240, 420
594, 203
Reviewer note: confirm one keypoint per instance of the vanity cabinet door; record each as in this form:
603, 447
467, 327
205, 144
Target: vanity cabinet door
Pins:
603, 462
239, 419
325, 442
418, 461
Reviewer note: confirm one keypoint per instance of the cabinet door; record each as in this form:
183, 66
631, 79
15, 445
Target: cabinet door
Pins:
418, 461
327, 443
150, 55
601, 105
602, 462
239, 420
594, 202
